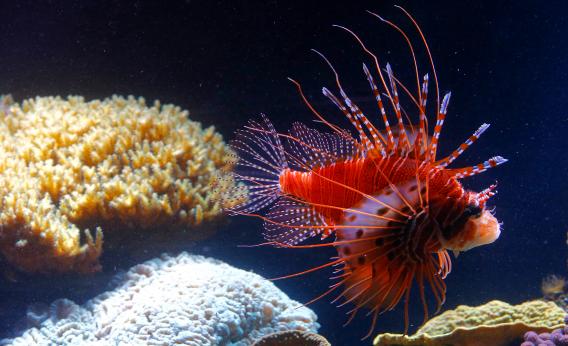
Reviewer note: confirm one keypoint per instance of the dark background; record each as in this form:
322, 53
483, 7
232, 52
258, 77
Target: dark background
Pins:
505, 62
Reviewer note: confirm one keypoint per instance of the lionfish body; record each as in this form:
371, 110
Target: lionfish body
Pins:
393, 209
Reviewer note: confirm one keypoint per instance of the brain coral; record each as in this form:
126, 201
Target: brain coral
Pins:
67, 166
183, 300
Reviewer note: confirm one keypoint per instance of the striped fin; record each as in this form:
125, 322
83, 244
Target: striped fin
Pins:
403, 140
378, 139
390, 138
345, 111
291, 222
479, 168
439, 123
484, 195
354, 115
424, 92
456, 153
261, 159
310, 148
419, 145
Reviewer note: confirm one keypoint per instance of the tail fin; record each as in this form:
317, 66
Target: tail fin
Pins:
261, 159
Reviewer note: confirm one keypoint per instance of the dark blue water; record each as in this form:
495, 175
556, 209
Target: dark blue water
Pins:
505, 64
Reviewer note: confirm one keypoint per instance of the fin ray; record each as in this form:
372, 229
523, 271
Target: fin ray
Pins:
289, 219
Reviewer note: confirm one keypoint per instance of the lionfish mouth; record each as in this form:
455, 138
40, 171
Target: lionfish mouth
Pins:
481, 229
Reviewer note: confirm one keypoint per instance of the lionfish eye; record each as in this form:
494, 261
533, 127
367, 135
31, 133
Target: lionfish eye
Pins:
472, 210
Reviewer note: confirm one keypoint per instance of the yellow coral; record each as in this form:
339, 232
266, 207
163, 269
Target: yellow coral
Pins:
495, 323
67, 165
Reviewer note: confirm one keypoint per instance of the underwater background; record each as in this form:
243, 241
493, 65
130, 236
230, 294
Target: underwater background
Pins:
505, 62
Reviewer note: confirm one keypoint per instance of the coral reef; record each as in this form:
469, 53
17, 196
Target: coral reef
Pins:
495, 323
553, 289
183, 300
68, 166
558, 337
292, 338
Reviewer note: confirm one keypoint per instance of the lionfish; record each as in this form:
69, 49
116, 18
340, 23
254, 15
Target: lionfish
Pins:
393, 209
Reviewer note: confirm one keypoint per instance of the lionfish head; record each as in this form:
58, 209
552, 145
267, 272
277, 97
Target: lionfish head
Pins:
476, 225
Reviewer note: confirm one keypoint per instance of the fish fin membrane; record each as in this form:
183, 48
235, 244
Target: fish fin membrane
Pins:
291, 222
311, 148
259, 161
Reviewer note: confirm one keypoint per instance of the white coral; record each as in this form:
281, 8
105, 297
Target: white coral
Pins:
183, 300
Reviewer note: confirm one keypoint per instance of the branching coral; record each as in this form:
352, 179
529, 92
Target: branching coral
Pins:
67, 165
